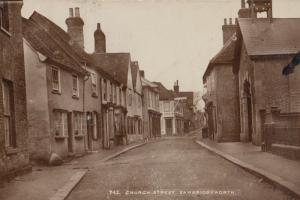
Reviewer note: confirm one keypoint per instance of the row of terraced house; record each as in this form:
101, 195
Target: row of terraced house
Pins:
247, 98
58, 100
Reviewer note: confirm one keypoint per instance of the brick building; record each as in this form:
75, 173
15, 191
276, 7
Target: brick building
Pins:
266, 45
14, 156
221, 97
259, 48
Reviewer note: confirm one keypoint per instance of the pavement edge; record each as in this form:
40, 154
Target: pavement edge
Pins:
273, 179
64, 192
123, 151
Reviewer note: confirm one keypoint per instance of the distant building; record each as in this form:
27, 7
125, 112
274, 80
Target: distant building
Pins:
172, 121
151, 112
188, 106
14, 155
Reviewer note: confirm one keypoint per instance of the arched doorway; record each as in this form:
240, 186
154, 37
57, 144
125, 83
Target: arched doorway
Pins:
247, 95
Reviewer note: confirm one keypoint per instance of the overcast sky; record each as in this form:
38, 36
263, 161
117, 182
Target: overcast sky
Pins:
171, 39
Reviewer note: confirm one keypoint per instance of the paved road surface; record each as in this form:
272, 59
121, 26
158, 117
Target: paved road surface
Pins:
174, 169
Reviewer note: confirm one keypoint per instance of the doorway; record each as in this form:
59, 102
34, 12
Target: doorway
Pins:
169, 126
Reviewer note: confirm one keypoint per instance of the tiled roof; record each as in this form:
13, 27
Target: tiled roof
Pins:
225, 55
69, 46
164, 93
264, 37
56, 33
115, 64
43, 42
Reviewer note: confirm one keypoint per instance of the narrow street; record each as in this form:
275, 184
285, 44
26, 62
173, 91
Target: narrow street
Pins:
171, 168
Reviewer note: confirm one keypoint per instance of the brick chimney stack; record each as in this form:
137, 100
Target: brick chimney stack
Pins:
100, 41
244, 12
75, 27
176, 87
228, 29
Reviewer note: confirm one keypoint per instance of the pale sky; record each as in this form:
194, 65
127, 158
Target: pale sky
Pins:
171, 39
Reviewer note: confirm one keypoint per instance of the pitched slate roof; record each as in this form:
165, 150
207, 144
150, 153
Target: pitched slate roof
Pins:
43, 42
224, 56
134, 70
262, 37
115, 64
164, 93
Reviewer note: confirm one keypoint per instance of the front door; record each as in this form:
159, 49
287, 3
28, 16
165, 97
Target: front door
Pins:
169, 126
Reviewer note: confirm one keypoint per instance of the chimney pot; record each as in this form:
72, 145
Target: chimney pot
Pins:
98, 26
225, 21
230, 20
77, 13
71, 12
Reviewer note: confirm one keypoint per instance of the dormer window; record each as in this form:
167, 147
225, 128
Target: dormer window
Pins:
4, 18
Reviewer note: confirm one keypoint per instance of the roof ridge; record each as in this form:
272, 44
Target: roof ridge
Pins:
57, 42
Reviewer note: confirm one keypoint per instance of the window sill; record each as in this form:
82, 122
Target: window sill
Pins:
56, 92
11, 150
75, 97
5, 31
79, 137
60, 137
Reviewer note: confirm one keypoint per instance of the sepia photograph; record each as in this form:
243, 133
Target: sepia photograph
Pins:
149, 99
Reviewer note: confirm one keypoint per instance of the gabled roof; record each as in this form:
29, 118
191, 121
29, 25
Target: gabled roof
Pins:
115, 64
224, 56
68, 44
42, 41
134, 70
57, 33
264, 37
164, 93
